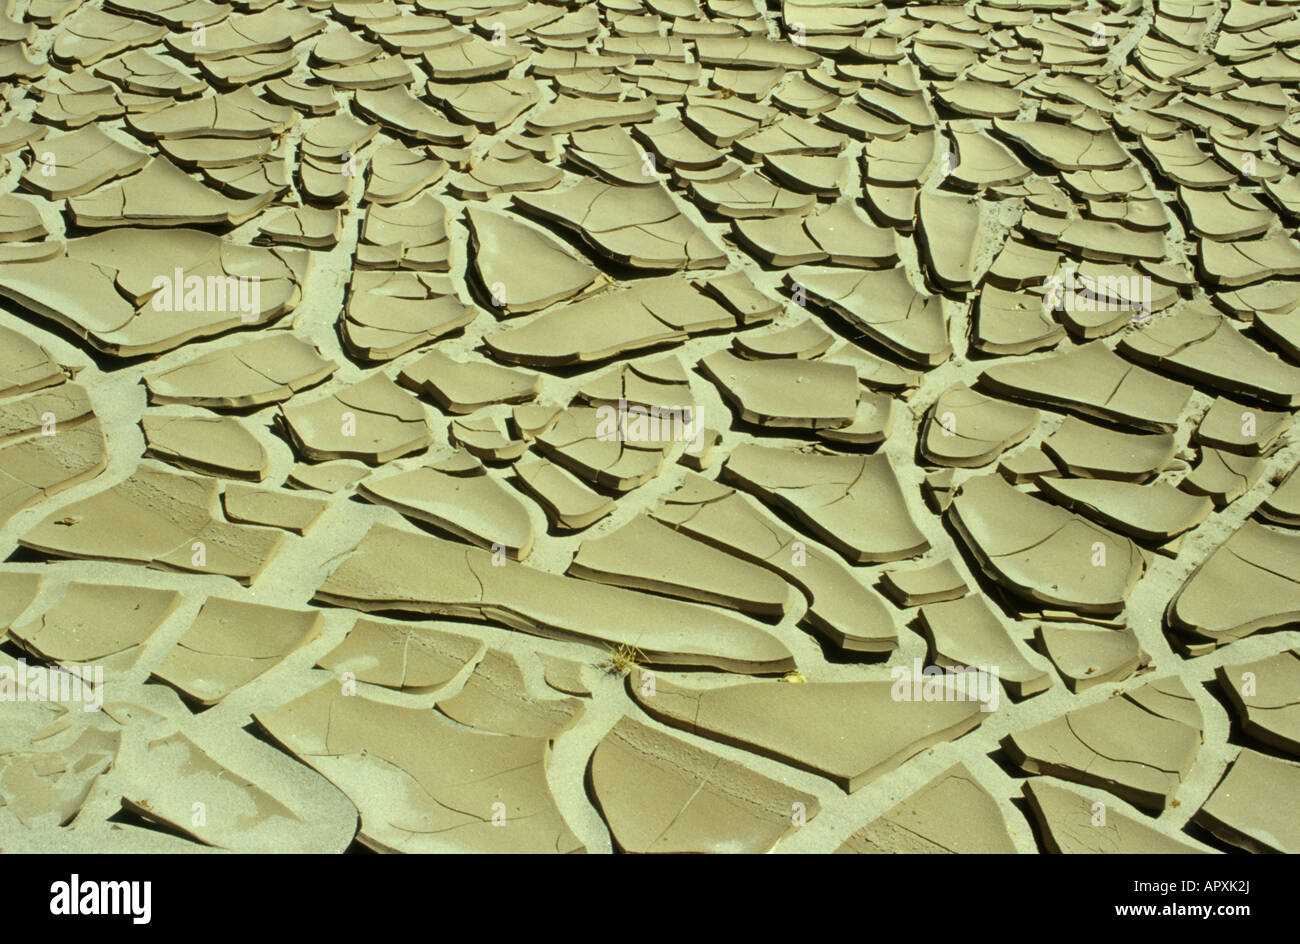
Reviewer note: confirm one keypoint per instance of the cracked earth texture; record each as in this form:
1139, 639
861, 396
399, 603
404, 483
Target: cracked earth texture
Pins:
492, 425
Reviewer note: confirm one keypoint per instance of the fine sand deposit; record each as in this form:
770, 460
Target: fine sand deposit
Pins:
492, 425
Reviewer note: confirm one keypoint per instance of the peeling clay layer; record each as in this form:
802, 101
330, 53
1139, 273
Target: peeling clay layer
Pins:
532, 426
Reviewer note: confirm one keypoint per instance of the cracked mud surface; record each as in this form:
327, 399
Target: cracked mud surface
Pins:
507, 426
